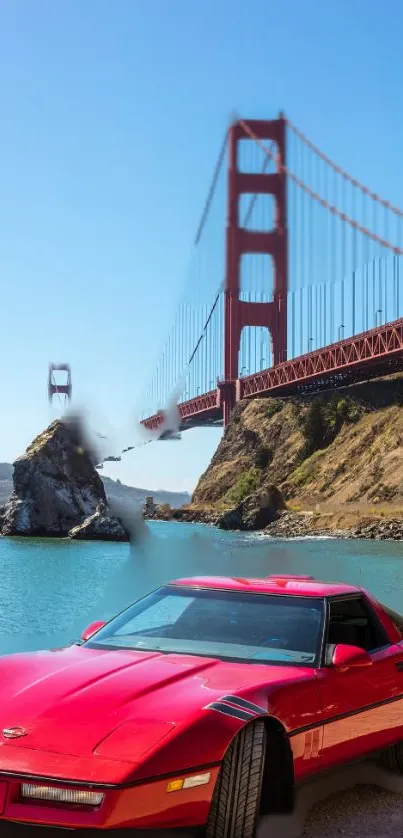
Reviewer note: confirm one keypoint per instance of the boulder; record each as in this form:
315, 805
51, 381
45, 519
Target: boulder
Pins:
261, 508
231, 519
56, 485
255, 512
160, 512
101, 526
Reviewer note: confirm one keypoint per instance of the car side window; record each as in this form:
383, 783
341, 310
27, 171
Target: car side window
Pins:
352, 622
395, 618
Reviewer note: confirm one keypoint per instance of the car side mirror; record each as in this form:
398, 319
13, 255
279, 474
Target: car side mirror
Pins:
348, 657
92, 629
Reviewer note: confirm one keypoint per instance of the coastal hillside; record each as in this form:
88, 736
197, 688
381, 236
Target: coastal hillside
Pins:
117, 491
335, 458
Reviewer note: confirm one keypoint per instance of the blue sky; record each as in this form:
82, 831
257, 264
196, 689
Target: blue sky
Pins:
112, 116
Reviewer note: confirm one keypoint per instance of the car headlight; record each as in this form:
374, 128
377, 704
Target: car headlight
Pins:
61, 795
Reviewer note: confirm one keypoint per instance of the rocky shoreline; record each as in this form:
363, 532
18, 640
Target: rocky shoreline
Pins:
300, 525
288, 524
264, 470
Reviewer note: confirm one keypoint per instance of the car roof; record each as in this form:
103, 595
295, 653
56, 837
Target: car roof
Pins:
292, 585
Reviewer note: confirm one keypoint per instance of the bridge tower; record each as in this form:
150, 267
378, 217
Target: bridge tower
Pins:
59, 389
240, 241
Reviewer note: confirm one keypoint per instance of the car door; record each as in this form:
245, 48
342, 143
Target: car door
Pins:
362, 706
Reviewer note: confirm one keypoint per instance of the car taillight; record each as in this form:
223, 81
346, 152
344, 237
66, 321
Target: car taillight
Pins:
53, 794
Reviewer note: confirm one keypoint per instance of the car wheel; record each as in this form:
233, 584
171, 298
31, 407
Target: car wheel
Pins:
392, 758
235, 805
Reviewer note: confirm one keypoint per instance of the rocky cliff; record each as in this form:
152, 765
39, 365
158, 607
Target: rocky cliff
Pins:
6, 482
311, 464
56, 486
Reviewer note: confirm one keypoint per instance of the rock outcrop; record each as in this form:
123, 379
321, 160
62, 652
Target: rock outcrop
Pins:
256, 512
56, 487
158, 512
101, 526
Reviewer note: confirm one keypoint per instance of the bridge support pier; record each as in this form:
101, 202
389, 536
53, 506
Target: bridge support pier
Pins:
228, 392
241, 241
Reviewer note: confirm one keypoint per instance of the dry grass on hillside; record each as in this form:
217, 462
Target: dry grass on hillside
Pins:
359, 469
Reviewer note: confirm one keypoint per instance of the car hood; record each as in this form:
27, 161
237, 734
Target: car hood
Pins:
70, 701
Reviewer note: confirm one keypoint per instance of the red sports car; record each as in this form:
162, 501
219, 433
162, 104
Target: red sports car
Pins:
202, 705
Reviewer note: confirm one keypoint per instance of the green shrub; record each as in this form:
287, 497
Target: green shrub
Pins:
273, 407
246, 483
324, 419
306, 471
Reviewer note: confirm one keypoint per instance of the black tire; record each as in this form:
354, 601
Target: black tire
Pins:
235, 806
392, 758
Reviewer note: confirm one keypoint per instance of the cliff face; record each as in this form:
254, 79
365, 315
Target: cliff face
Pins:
55, 486
6, 482
338, 453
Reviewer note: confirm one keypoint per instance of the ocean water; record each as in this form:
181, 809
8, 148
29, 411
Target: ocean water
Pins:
51, 589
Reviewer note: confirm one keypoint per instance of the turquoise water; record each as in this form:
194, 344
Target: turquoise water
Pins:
50, 590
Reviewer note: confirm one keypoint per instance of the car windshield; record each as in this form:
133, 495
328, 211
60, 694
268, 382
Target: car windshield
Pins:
259, 628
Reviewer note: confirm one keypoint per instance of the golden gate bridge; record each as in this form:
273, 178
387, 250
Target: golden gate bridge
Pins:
294, 282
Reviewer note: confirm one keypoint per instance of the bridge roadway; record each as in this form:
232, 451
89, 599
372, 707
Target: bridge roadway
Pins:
362, 357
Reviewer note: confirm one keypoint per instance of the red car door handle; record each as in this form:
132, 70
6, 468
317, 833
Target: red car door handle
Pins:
399, 666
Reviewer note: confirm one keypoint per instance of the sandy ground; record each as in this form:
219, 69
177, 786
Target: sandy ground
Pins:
358, 812
362, 801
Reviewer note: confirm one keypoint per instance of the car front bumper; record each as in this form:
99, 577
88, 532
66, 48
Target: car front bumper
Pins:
144, 806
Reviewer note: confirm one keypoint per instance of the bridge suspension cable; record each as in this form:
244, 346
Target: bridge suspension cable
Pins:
247, 217
212, 190
304, 139
192, 320
268, 152
203, 337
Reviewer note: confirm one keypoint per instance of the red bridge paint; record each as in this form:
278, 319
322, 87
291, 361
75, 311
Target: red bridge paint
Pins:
365, 356
240, 241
